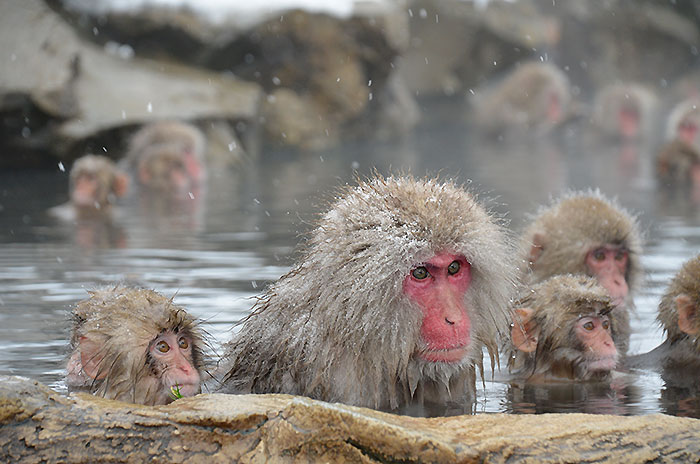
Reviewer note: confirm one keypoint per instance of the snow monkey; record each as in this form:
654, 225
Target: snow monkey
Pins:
167, 157
135, 345
95, 184
562, 329
679, 315
401, 285
678, 164
586, 233
684, 122
624, 111
535, 96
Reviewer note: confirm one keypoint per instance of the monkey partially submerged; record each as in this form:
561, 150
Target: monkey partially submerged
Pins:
684, 123
678, 164
562, 329
534, 97
679, 315
624, 111
95, 185
167, 158
135, 345
586, 233
401, 285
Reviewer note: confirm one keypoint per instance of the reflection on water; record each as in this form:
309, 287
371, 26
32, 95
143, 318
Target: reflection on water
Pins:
216, 251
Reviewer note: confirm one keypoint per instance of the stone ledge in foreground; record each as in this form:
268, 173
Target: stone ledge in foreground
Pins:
38, 424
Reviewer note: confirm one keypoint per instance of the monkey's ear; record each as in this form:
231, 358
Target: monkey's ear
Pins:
536, 249
687, 314
91, 358
524, 332
121, 184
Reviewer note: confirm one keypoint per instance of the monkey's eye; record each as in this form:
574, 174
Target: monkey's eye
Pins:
620, 255
420, 273
182, 343
453, 268
162, 346
589, 326
606, 324
599, 254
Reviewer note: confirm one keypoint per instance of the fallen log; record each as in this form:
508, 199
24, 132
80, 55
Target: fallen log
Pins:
38, 424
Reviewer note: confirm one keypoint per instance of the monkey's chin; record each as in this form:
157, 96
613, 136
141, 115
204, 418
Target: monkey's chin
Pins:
602, 364
452, 355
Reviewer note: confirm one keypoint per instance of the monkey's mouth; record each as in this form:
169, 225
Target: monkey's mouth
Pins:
449, 355
607, 363
185, 389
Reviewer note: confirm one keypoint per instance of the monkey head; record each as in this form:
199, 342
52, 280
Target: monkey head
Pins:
562, 329
679, 309
135, 345
399, 288
586, 233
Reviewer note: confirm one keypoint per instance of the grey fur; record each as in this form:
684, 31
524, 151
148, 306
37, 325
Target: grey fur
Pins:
337, 327
570, 227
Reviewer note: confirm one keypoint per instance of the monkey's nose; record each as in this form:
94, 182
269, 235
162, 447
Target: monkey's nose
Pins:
449, 321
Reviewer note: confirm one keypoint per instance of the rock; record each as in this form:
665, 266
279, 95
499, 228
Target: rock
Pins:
82, 95
456, 45
39, 424
648, 42
325, 67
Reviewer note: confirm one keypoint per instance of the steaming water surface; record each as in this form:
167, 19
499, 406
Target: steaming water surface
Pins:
217, 251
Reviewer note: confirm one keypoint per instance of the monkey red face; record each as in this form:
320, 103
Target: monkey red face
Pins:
439, 287
172, 355
85, 190
609, 265
687, 131
599, 349
554, 110
628, 120
193, 167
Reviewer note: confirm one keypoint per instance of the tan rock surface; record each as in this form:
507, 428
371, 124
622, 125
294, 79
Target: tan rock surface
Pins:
38, 424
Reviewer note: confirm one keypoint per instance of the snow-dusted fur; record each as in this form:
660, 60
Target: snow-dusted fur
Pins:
123, 321
573, 225
338, 327
557, 304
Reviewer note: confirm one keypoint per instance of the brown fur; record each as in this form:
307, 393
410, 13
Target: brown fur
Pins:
686, 282
123, 321
558, 303
183, 136
575, 224
112, 183
338, 327
520, 101
675, 162
613, 98
678, 357
685, 110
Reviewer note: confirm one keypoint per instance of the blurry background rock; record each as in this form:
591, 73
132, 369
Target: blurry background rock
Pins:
325, 76
61, 96
346, 70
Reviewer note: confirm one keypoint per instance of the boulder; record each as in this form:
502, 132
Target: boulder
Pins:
328, 77
457, 45
40, 425
62, 95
